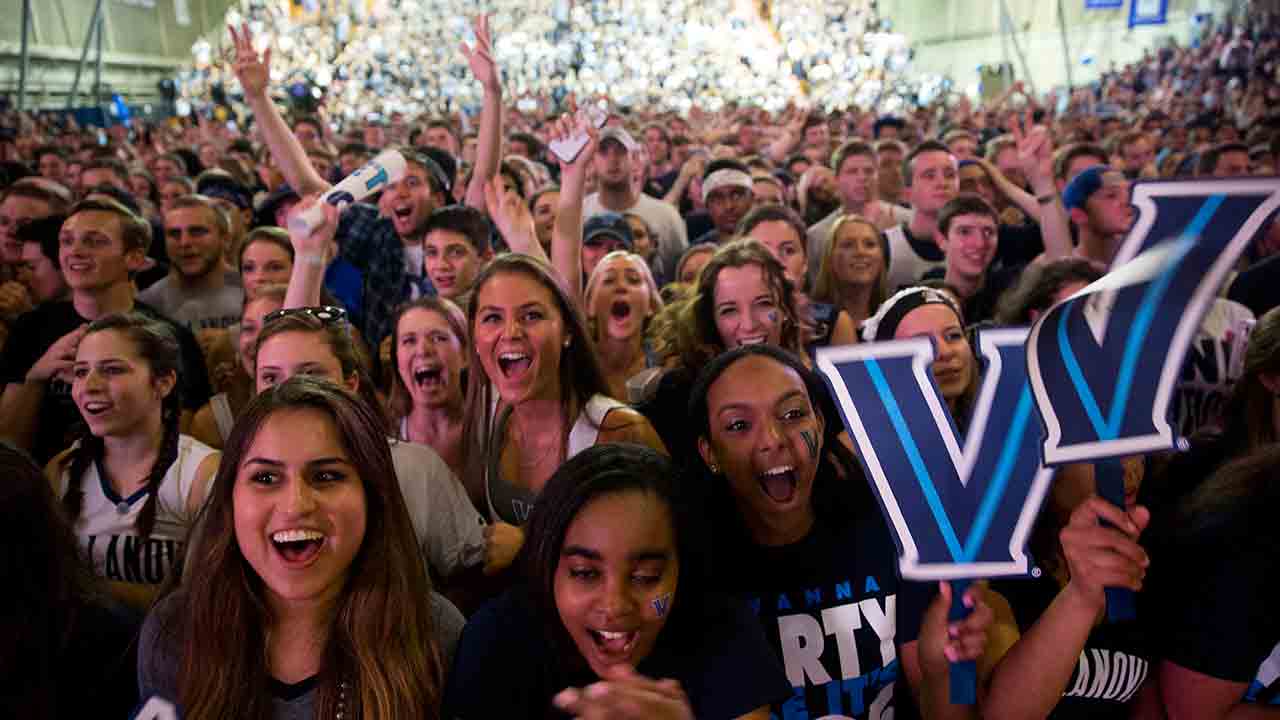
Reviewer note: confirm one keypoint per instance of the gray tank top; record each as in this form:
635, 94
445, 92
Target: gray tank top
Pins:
512, 504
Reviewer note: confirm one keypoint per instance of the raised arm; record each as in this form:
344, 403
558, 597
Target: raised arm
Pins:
1035, 155
485, 69
511, 216
254, 73
792, 132
1029, 680
311, 256
566, 234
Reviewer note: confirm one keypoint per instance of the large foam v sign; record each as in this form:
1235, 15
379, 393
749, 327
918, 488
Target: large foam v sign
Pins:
1103, 363
958, 507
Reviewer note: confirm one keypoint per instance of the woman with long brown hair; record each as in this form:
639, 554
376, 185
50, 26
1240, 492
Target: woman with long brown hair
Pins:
429, 348
311, 598
536, 395
131, 483
742, 297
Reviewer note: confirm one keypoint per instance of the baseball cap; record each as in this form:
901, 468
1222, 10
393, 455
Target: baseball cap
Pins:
225, 187
620, 136
1089, 181
609, 224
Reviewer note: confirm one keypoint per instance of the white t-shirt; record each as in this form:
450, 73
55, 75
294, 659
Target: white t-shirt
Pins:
106, 524
664, 221
1213, 363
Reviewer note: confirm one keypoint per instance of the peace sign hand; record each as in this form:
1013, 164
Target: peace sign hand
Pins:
1034, 149
254, 72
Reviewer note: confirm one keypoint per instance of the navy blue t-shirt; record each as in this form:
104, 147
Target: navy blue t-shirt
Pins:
505, 668
833, 607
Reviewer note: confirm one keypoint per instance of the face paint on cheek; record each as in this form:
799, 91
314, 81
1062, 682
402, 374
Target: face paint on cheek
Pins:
661, 604
810, 442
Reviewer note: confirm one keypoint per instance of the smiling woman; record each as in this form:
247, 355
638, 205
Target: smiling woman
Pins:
613, 620
533, 350
796, 532
131, 484
312, 599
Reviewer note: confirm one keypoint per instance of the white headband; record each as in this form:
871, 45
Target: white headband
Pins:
725, 177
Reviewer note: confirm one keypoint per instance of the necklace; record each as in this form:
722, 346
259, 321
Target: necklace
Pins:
342, 701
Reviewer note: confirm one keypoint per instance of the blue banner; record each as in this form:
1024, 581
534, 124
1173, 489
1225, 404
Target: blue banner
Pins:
1148, 12
1103, 4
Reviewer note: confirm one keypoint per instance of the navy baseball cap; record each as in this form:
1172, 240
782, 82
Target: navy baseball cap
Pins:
605, 225
1089, 181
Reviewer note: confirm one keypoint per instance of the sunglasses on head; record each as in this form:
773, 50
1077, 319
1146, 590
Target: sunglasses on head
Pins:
326, 314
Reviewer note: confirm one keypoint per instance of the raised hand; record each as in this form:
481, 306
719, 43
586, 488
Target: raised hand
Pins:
1034, 149
317, 246
253, 70
511, 216
568, 126
942, 641
58, 359
480, 57
1098, 556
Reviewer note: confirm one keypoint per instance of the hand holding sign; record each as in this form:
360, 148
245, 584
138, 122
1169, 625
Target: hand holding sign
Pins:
1103, 363
388, 167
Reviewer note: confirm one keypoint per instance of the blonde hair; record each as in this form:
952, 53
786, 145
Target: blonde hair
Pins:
826, 287
638, 264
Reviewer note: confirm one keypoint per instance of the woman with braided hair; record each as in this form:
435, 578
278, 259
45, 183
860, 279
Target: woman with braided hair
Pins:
131, 484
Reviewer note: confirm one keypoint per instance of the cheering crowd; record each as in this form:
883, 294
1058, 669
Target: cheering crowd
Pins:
535, 433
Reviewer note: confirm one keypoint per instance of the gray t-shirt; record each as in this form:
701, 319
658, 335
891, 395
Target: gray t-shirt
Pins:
159, 659
198, 310
450, 531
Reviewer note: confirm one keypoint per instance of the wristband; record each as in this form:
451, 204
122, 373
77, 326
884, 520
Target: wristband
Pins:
1046, 199
316, 259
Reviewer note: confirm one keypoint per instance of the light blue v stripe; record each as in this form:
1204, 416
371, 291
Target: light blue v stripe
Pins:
913, 455
1109, 428
1000, 478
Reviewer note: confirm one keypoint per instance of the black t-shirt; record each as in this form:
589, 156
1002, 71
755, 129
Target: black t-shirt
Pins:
835, 611
1116, 660
982, 306
95, 675
1017, 245
59, 420
504, 667
1211, 597
1258, 286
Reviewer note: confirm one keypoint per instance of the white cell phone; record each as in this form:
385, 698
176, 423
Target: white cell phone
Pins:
567, 149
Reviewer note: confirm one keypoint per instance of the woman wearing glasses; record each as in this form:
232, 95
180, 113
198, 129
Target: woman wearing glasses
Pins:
316, 341
131, 484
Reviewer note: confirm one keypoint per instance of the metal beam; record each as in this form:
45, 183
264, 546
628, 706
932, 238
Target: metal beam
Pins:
25, 67
97, 68
1066, 48
84, 53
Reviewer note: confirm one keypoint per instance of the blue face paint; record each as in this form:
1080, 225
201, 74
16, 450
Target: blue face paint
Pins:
661, 604
810, 442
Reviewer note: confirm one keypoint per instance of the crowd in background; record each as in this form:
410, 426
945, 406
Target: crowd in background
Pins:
535, 433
